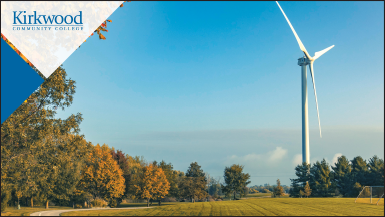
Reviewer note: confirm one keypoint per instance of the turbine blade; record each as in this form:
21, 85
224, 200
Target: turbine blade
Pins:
320, 53
301, 46
315, 94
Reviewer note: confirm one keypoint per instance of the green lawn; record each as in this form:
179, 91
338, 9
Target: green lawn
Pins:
25, 211
253, 207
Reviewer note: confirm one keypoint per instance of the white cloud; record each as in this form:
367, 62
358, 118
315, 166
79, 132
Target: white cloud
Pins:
274, 157
335, 158
297, 159
277, 154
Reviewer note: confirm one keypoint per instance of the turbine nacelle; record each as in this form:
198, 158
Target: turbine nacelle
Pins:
303, 61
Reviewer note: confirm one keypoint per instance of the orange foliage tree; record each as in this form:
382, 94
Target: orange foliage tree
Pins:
102, 176
103, 27
150, 183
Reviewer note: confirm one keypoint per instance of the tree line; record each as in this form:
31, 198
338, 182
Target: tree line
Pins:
45, 159
266, 188
344, 178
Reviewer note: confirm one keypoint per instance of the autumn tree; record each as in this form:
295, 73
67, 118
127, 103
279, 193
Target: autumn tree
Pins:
122, 160
301, 193
307, 190
101, 175
150, 183
172, 178
253, 191
278, 190
235, 179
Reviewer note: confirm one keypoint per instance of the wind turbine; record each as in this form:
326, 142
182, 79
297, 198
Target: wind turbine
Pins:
303, 62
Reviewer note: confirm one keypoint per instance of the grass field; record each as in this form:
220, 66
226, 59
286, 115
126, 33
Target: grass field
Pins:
259, 195
26, 211
252, 207
263, 195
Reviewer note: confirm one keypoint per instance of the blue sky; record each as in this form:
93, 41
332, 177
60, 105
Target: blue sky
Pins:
218, 83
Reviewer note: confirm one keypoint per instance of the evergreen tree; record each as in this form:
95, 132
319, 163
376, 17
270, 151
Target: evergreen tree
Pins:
342, 176
320, 178
302, 172
195, 170
195, 183
376, 171
359, 170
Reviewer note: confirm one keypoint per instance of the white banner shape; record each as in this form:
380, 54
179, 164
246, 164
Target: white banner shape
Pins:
47, 33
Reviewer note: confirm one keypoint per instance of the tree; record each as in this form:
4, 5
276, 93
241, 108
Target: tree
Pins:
122, 160
278, 190
359, 170
301, 193
25, 130
135, 165
342, 176
302, 171
253, 191
245, 192
193, 188
214, 188
357, 187
101, 176
307, 190
172, 178
150, 183
320, 178
194, 184
59, 166
376, 171
235, 179
195, 170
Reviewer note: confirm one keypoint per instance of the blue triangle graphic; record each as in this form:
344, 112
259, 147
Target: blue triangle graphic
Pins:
18, 80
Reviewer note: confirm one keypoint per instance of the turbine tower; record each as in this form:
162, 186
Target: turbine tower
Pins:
303, 62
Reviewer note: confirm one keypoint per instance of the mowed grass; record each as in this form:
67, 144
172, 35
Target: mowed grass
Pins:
259, 195
26, 211
264, 195
252, 207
